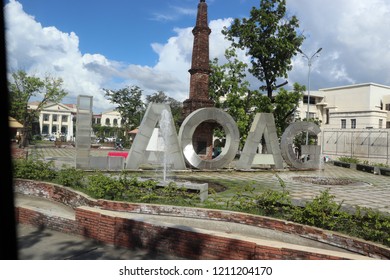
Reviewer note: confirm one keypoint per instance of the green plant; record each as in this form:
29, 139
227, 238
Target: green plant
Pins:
380, 165
243, 200
322, 212
269, 202
34, 170
370, 224
70, 177
102, 186
349, 159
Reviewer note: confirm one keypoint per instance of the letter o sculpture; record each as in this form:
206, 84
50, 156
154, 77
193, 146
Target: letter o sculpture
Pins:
187, 130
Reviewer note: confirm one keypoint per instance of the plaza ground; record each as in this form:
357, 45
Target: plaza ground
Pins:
372, 191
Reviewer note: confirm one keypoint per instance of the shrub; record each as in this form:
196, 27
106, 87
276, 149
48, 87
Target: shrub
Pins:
102, 186
132, 189
34, 170
70, 177
322, 212
349, 159
372, 225
269, 202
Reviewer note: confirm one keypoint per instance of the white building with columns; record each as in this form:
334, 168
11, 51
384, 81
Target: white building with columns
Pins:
59, 120
56, 119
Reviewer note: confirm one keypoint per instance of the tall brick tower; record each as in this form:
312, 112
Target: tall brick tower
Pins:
199, 82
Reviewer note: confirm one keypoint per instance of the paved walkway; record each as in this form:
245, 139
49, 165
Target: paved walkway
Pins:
43, 243
46, 244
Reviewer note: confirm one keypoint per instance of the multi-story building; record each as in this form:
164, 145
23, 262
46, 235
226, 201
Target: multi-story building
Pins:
361, 106
110, 118
59, 120
355, 120
56, 119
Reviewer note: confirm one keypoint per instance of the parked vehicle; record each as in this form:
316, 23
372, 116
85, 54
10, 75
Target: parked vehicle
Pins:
49, 138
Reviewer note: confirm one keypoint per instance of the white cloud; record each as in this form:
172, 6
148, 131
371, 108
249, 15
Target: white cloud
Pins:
43, 50
352, 33
355, 40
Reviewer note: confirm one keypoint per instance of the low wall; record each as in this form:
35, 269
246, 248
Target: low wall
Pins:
377, 170
95, 219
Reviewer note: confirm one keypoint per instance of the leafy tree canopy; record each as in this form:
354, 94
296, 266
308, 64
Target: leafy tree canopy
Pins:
22, 88
231, 92
128, 103
176, 106
270, 40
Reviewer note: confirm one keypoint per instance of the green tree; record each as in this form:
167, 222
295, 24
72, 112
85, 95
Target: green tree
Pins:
176, 106
22, 88
285, 104
229, 89
129, 104
231, 92
270, 39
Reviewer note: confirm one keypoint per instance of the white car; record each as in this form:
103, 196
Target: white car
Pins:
49, 138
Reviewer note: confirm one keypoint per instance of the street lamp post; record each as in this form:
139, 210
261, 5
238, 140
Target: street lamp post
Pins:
309, 63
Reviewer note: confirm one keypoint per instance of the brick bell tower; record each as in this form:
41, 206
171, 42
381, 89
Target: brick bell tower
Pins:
199, 83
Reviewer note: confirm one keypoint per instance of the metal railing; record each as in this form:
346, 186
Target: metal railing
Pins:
365, 144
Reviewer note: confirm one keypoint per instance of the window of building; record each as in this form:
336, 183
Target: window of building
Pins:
380, 123
107, 121
54, 129
312, 100
353, 123
64, 130
45, 117
55, 117
343, 123
45, 129
327, 116
388, 125
64, 118
387, 107
115, 122
98, 120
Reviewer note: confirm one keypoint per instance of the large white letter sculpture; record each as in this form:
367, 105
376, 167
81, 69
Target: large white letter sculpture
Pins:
137, 152
313, 151
263, 124
232, 138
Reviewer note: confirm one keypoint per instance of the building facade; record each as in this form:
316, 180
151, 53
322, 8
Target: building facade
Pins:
56, 119
361, 106
110, 118
59, 120
355, 120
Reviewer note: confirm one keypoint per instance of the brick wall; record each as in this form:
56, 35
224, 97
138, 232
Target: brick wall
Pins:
53, 192
94, 221
37, 219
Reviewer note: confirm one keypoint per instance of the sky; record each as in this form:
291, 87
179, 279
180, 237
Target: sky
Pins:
98, 44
